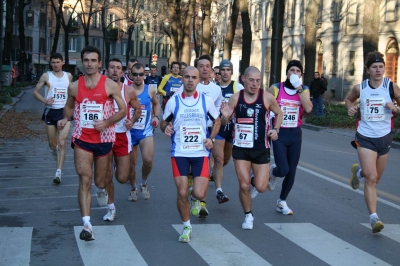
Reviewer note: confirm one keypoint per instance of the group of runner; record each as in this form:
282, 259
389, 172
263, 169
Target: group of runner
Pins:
201, 117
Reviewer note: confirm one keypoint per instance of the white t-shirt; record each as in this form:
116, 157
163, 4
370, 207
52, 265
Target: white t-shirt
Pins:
190, 118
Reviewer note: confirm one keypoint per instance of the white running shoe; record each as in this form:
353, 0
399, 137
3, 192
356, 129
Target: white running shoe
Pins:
248, 222
283, 208
144, 192
110, 216
102, 197
133, 195
57, 178
272, 178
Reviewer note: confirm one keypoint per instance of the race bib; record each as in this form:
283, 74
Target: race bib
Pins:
141, 122
374, 109
153, 86
60, 95
191, 138
120, 123
290, 111
244, 136
90, 112
174, 89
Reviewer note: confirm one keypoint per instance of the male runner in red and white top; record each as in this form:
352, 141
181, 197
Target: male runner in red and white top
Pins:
122, 146
94, 134
128, 78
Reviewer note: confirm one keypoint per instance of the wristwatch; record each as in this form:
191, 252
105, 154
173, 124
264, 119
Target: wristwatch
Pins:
213, 140
300, 90
276, 129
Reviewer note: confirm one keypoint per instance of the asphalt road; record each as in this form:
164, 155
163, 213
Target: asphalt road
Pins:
39, 221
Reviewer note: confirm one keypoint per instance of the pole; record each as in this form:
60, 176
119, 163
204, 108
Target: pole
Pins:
137, 41
276, 43
1, 46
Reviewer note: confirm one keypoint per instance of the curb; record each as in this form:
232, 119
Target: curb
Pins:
395, 144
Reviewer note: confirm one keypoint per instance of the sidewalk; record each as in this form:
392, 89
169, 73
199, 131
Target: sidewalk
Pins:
16, 99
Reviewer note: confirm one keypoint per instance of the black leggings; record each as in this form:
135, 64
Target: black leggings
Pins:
287, 155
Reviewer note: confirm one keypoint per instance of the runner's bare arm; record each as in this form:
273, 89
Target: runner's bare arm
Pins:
274, 107
69, 105
354, 95
156, 108
36, 93
114, 92
305, 101
69, 77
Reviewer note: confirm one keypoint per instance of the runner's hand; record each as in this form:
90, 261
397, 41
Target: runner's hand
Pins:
226, 110
208, 143
50, 101
61, 123
295, 80
352, 110
128, 124
391, 106
168, 130
100, 125
154, 122
272, 134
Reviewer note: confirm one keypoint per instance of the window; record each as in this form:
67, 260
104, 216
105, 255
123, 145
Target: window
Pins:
268, 16
320, 10
352, 17
72, 45
336, 10
141, 48
96, 20
147, 48
43, 19
334, 57
110, 20
43, 45
112, 47
291, 14
391, 10
28, 44
352, 61
123, 48
29, 19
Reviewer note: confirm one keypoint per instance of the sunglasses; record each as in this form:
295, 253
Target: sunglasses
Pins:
138, 74
217, 73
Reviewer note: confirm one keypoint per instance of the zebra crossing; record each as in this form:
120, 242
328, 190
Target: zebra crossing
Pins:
114, 246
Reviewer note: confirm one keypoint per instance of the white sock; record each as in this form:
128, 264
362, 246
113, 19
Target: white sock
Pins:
111, 206
373, 216
359, 177
86, 219
59, 170
218, 189
187, 223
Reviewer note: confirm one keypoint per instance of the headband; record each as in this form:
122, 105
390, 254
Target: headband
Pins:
374, 60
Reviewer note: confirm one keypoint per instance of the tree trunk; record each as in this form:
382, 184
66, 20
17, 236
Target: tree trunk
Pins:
21, 32
246, 37
174, 15
230, 35
276, 45
185, 56
129, 44
59, 13
8, 32
106, 55
66, 53
370, 29
310, 46
206, 29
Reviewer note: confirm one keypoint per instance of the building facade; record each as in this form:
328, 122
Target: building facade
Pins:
339, 51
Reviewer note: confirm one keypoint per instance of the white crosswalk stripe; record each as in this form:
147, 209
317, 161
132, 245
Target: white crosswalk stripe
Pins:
15, 245
206, 242
324, 245
112, 246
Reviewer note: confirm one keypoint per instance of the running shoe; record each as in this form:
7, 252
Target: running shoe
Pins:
248, 222
186, 235
87, 233
253, 190
354, 182
203, 210
57, 178
221, 197
102, 197
283, 208
144, 192
194, 207
272, 178
376, 224
133, 195
110, 216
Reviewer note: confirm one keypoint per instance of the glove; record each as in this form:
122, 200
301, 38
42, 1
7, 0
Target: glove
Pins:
294, 79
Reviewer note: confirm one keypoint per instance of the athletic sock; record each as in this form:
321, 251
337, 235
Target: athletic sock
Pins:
373, 216
218, 189
249, 212
86, 219
187, 223
133, 187
359, 177
111, 206
143, 182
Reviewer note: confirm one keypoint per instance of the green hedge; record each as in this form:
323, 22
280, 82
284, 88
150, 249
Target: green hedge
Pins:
13, 92
1, 106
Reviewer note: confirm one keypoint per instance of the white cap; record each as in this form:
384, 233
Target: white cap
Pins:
146, 68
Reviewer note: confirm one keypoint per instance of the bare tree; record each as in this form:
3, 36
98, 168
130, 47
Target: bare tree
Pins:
310, 46
21, 33
247, 35
57, 7
206, 28
86, 18
276, 45
370, 28
230, 35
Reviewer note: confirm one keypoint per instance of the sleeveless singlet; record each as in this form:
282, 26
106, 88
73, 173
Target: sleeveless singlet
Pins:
120, 125
144, 122
251, 123
289, 102
127, 80
58, 89
93, 104
227, 92
376, 121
